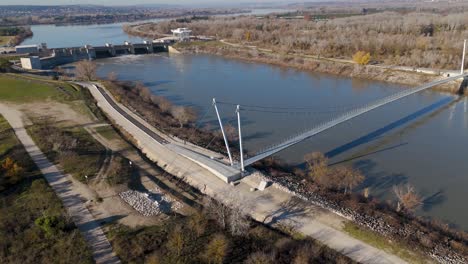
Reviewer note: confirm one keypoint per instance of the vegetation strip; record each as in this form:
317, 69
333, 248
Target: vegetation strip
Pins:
101, 248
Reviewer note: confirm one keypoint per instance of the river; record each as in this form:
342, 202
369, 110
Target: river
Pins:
421, 140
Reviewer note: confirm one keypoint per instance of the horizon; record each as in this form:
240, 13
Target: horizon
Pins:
111, 3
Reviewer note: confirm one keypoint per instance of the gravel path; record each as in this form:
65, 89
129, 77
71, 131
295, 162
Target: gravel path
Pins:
88, 226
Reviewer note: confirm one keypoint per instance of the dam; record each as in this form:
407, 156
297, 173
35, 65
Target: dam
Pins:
49, 58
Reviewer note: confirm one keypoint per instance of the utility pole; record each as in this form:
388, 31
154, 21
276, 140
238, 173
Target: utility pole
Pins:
240, 138
222, 131
463, 57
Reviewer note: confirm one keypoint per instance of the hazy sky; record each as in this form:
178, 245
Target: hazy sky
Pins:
130, 2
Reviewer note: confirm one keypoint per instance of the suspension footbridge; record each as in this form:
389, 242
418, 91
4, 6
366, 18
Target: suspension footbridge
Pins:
319, 128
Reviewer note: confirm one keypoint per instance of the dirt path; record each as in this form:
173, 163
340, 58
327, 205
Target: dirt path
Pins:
86, 223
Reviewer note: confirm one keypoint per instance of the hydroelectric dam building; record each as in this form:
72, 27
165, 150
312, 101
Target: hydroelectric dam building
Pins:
53, 57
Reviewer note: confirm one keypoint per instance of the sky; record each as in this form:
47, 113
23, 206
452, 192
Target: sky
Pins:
131, 2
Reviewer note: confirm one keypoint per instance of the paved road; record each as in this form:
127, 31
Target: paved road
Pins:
131, 118
88, 226
270, 206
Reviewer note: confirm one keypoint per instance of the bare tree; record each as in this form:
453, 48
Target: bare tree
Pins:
239, 223
183, 115
112, 76
231, 132
347, 178
218, 212
85, 70
317, 166
407, 196
164, 104
143, 91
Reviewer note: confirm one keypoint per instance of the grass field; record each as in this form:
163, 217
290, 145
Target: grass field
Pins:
23, 201
107, 132
5, 40
7, 138
17, 89
378, 241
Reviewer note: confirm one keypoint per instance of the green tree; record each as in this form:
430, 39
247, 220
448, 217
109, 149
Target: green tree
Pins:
51, 225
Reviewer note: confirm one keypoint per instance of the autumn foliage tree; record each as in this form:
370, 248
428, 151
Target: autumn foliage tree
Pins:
12, 170
217, 249
362, 58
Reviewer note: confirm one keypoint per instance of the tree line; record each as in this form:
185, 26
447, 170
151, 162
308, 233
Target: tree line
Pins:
415, 39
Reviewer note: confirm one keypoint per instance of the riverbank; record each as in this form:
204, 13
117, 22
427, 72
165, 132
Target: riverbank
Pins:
347, 68
12, 36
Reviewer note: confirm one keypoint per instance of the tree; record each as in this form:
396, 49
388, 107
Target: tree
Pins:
85, 70
348, 178
163, 104
13, 171
317, 166
218, 212
176, 241
197, 223
407, 197
231, 132
362, 58
50, 224
183, 115
112, 76
216, 250
239, 224
143, 91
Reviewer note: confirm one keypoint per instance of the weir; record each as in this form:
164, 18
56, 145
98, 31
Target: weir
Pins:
59, 56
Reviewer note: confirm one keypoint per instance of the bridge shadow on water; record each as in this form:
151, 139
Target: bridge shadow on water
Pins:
379, 132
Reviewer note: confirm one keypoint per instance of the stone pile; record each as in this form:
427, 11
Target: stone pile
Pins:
166, 199
141, 202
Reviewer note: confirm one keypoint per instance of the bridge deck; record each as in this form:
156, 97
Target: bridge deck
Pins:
343, 118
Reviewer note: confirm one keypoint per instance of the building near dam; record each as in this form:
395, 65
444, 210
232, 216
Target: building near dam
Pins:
182, 34
31, 63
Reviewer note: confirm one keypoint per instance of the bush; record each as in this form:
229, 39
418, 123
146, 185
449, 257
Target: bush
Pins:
50, 224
